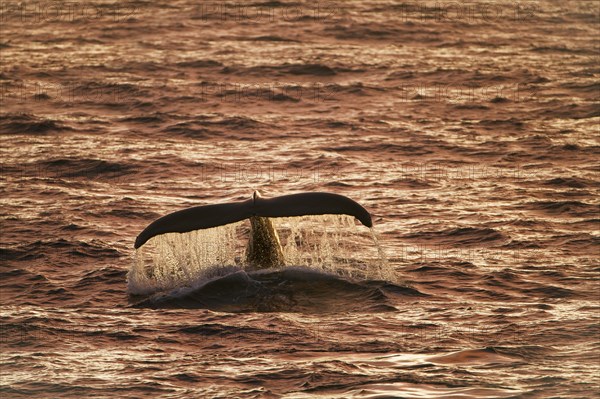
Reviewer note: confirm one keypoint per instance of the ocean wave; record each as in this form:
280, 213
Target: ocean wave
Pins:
84, 167
285, 69
488, 355
29, 124
508, 282
208, 126
272, 38
494, 124
361, 31
380, 147
561, 49
564, 208
105, 275
292, 289
414, 184
561, 110
571, 182
459, 236
147, 119
199, 64
60, 248
41, 291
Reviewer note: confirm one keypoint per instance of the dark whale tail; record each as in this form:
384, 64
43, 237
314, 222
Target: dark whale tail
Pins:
204, 217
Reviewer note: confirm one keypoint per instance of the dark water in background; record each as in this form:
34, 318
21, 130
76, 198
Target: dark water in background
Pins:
470, 134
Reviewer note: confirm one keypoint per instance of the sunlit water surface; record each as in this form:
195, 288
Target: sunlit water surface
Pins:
472, 141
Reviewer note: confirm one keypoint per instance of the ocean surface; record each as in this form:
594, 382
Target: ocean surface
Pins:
469, 131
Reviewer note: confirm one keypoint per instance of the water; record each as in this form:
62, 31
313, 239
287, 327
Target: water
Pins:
470, 135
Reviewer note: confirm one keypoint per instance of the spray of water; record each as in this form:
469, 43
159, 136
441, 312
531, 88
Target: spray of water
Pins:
330, 243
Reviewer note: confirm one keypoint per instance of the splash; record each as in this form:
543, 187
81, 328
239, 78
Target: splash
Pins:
175, 260
330, 243
385, 271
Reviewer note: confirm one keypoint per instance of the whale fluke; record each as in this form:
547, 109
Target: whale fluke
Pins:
207, 216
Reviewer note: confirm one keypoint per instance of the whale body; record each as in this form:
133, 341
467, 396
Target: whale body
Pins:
264, 248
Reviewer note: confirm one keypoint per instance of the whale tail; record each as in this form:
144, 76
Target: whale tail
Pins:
264, 248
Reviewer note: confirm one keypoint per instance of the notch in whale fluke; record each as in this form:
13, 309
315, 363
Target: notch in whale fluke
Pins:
205, 217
